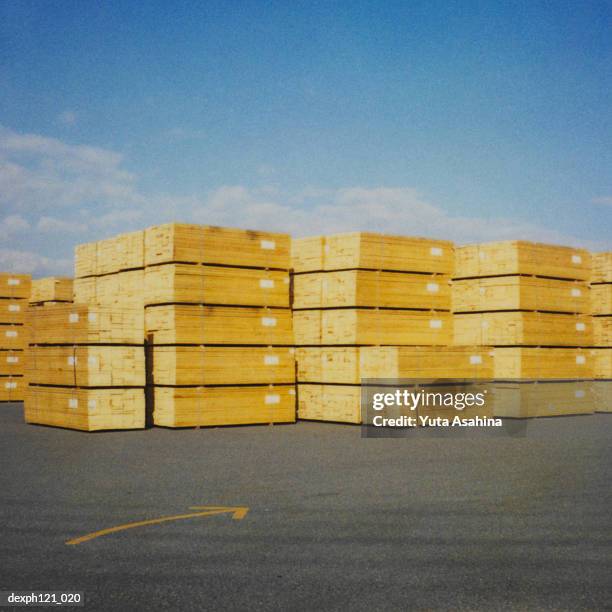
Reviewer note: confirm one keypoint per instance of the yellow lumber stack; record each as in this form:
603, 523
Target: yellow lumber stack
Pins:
218, 326
355, 292
51, 290
531, 302
14, 295
86, 367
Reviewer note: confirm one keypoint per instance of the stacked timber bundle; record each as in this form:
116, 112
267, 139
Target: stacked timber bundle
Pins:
358, 290
218, 326
51, 290
531, 302
86, 368
14, 296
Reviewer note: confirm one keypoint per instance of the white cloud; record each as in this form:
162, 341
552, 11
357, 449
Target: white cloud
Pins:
53, 225
29, 262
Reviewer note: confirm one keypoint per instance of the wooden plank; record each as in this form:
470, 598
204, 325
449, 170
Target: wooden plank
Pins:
121, 252
87, 366
602, 268
543, 399
338, 364
543, 363
372, 251
521, 257
13, 337
15, 285
85, 324
601, 395
522, 328
602, 331
216, 406
519, 293
336, 403
196, 284
85, 409
119, 290
190, 324
52, 289
198, 365
12, 388
602, 363
601, 299
361, 326
12, 363
177, 242
361, 288
13, 310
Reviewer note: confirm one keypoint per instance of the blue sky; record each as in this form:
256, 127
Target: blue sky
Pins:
464, 120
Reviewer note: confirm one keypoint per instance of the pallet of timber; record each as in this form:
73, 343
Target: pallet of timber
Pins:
537, 363
121, 289
602, 268
602, 363
15, 285
85, 409
427, 362
373, 252
197, 324
602, 331
197, 284
216, 406
221, 365
367, 288
522, 328
87, 366
601, 299
328, 364
122, 252
13, 337
371, 326
521, 257
602, 396
519, 293
85, 324
543, 399
51, 289
12, 363
182, 243
13, 310
335, 403
12, 388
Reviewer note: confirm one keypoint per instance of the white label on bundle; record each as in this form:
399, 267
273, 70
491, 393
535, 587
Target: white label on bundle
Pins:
435, 323
482, 290
92, 360
268, 321
576, 259
11, 359
73, 402
291, 391
14, 281
11, 333
92, 317
326, 248
433, 287
579, 393
475, 359
271, 359
272, 398
73, 317
435, 251
92, 404
266, 283
14, 307
580, 326
576, 293
269, 245
482, 254
72, 360
580, 359
11, 385
484, 324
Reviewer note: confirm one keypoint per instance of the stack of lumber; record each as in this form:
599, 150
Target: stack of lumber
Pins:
218, 326
51, 290
531, 302
86, 368
359, 290
14, 295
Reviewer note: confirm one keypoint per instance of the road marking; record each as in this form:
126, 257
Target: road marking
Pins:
238, 513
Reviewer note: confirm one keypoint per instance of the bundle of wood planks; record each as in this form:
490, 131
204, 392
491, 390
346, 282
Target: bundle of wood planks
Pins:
51, 290
531, 302
372, 306
85, 368
14, 295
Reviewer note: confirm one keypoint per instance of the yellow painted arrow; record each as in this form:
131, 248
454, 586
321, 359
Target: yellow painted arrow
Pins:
238, 513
